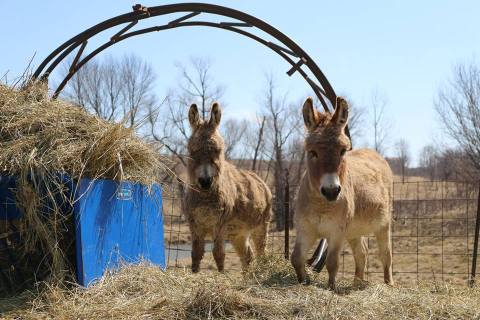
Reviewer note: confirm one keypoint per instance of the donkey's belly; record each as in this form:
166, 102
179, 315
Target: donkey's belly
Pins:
207, 220
332, 226
328, 226
364, 227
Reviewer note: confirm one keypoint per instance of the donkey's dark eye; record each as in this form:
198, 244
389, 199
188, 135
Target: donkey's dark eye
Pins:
313, 154
343, 151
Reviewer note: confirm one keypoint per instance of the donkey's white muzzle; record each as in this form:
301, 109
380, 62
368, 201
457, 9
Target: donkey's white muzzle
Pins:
330, 186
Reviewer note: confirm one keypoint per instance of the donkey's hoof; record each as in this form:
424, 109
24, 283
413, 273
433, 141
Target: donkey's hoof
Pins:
390, 284
359, 283
306, 281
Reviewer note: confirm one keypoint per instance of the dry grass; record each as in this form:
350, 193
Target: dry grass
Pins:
268, 291
41, 138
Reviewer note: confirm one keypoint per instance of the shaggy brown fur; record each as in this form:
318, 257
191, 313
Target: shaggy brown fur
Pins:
342, 196
222, 202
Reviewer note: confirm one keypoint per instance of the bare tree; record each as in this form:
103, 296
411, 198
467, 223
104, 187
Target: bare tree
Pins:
138, 79
197, 84
446, 164
114, 89
403, 155
283, 122
458, 106
456, 164
429, 160
379, 122
233, 132
258, 142
168, 126
86, 88
295, 154
168, 122
356, 120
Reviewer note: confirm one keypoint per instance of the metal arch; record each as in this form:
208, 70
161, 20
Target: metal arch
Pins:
289, 51
76, 65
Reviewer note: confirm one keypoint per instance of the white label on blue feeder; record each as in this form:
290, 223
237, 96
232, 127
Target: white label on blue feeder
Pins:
124, 194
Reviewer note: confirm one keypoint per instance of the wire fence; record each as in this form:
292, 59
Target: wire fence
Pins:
434, 229
433, 234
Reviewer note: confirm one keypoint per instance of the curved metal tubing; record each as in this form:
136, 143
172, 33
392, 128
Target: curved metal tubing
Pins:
193, 9
318, 90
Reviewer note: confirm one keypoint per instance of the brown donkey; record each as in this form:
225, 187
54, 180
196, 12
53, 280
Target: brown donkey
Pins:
342, 196
222, 202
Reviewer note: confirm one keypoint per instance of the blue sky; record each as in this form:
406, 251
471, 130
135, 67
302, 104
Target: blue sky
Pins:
403, 49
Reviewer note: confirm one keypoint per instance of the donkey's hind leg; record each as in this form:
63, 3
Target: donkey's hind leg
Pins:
259, 237
241, 244
360, 253
384, 240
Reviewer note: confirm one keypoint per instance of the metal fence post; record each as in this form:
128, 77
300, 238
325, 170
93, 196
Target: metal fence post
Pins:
287, 215
475, 242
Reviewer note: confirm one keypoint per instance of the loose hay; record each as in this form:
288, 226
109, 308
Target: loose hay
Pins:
147, 292
37, 133
41, 138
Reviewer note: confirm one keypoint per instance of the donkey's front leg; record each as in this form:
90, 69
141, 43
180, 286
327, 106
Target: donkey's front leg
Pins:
198, 248
303, 243
333, 257
219, 250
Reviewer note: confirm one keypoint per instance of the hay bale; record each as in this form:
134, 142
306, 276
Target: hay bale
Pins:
55, 136
41, 138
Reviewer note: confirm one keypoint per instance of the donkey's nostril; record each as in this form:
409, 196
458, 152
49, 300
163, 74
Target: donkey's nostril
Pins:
205, 183
322, 190
331, 193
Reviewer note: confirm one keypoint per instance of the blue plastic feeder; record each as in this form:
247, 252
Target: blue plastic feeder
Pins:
116, 223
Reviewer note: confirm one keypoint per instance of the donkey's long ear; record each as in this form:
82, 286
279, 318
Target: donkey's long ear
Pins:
311, 117
340, 117
215, 115
193, 116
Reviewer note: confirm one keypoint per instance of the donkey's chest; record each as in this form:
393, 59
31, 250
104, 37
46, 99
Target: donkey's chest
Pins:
207, 220
207, 213
328, 224
327, 219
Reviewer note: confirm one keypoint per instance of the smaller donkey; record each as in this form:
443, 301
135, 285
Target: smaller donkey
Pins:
222, 202
342, 196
